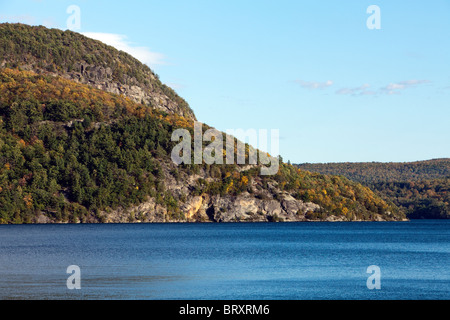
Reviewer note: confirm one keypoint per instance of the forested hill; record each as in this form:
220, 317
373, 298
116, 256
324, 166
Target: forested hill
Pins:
81, 59
72, 151
421, 188
374, 172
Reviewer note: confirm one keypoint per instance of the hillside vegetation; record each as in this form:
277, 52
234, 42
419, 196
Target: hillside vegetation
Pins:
421, 189
73, 153
79, 58
85, 136
375, 172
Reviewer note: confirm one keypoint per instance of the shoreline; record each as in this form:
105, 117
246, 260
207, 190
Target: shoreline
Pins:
216, 223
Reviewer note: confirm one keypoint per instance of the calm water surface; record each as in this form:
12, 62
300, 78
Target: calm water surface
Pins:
227, 261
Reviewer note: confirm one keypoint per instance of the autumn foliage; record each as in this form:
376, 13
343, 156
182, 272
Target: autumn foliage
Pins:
71, 152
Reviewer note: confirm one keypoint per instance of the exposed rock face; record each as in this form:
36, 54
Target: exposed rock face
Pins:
145, 212
243, 208
194, 210
42, 219
268, 204
102, 78
247, 208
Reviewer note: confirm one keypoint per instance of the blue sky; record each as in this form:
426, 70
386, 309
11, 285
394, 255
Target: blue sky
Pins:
336, 90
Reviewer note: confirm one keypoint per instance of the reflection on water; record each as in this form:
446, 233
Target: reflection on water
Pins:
226, 261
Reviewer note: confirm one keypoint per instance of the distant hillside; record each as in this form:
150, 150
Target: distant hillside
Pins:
374, 172
81, 59
421, 188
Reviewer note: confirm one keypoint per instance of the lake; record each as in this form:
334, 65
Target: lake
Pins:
250, 261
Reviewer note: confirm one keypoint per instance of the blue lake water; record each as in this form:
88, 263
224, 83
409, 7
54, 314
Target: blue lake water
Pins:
260, 261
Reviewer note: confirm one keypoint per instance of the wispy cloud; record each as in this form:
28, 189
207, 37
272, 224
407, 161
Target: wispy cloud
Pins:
390, 89
395, 88
120, 42
361, 90
312, 85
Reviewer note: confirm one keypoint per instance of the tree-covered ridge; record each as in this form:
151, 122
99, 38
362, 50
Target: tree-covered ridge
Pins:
423, 199
421, 188
336, 195
69, 53
74, 153
374, 172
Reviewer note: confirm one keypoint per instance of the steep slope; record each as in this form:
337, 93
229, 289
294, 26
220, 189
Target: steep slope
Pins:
69, 152
421, 189
84, 60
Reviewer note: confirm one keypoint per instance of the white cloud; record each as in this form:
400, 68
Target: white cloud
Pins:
395, 88
314, 85
368, 93
361, 90
390, 89
120, 42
